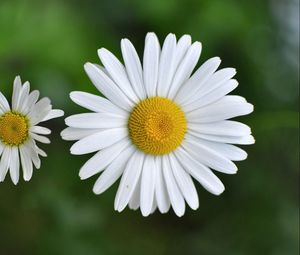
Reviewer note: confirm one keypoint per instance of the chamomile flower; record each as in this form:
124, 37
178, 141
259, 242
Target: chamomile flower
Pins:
159, 125
19, 131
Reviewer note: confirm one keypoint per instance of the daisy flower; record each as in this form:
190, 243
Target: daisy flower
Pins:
19, 131
159, 125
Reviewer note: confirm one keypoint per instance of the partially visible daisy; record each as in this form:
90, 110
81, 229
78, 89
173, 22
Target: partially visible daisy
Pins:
19, 130
160, 125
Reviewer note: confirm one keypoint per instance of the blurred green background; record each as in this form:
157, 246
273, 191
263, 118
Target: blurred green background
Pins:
47, 43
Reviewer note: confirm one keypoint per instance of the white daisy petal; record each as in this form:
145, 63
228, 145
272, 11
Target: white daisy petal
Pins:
226, 108
175, 195
185, 183
151, 64
23, 98
225, 127
16, 92
26, 162
161, 193
102, 68
167, 66
117, 72
197, 80
154, 206
31, 145
182, 47
134, 202
40, 138
212, 96
246, 140
208, 157
4, 163
227, 150
40, 110
40, 152
98, 141
32, 99
40, 130
96, 120
109, 89
53, 114
129, 180
1, 148
112, 173
71, 134
200, 172
102, 159
215, 81
14, 165
147, 185
4, 106
95, 103
133, 67
185, 68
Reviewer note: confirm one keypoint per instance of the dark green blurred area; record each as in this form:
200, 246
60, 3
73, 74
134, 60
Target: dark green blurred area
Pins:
47, 43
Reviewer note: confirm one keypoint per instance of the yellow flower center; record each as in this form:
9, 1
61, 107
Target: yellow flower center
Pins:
13, 129
157, 125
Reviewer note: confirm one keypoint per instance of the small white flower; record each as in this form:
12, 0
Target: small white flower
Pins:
160, 125
19, 131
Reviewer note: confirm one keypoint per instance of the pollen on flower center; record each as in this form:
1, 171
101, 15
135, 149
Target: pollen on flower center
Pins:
13, 129
157, 125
